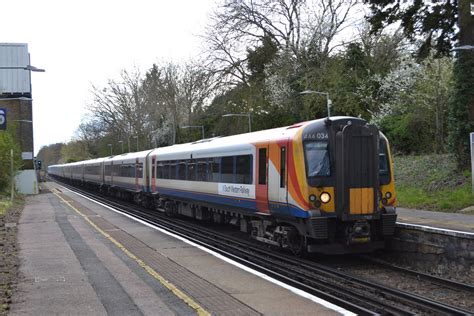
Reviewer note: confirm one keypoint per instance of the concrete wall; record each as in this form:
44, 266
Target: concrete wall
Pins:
26, 182
447, 254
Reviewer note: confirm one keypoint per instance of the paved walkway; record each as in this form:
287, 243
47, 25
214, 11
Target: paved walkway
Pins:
454, 221
78, 257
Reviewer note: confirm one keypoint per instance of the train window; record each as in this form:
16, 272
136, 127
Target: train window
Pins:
139, 170
172, 170
108, 170
383, 163
243, 167
201, 170
127, 170
116, 170
160, 166
282, 167
262, 166
182, 170
191, 170
227, 169
317, 159
215, 175
153, 168
384, 171
165, 173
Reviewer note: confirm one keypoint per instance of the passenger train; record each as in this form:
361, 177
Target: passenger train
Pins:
324, 186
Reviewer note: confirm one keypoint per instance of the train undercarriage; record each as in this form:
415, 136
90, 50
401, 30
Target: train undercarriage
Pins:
318, 234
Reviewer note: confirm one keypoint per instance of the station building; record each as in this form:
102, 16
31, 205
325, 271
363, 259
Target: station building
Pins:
17, 104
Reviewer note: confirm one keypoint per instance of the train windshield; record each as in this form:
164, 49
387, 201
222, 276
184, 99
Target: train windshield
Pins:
384, 171
317, 159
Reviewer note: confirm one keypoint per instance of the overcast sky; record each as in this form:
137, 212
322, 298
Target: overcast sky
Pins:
86, 42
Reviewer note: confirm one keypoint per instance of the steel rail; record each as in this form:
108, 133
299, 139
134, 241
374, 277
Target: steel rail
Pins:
455, 285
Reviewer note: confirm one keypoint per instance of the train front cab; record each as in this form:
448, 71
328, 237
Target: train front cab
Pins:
348, 187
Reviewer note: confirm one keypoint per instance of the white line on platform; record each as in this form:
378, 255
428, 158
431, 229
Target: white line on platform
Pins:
451, 232
241, 266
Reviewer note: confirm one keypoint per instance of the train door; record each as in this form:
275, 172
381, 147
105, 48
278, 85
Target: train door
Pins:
137, 174
112, 170
277, 177
261, 179
102, 173
153, 173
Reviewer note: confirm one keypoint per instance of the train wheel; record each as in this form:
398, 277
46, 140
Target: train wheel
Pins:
170, 208
296, 243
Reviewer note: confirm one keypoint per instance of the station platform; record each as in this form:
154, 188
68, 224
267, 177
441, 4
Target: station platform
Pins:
78, 257
437, 220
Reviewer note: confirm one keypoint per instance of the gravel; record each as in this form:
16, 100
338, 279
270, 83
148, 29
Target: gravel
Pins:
409, 283
9, 263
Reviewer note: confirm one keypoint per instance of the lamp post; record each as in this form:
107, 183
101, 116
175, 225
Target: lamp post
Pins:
240, 114
136, 138
27, 67
328, 101
121, 142
11, 175
471, 135
110, 145
195, 126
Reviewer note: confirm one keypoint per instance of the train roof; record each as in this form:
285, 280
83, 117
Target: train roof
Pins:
93, 161
127, 156
234, 143
241, 142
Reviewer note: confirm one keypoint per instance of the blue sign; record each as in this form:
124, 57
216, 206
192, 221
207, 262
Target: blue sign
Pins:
3, 119
472, 138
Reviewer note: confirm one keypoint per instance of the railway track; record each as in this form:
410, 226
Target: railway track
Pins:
455, 285
353, 293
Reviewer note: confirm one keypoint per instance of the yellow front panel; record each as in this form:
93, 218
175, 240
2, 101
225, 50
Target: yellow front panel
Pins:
361, 201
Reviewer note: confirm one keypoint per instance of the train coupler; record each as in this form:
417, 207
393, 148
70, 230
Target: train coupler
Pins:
358, 233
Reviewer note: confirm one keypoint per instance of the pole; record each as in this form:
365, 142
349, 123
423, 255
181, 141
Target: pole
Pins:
472, 159
250, 125
328, 103
11, 175
202, 129
136, 137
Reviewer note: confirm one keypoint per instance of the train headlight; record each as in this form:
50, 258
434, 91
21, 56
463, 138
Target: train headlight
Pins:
388, 195
325, 197
312, 198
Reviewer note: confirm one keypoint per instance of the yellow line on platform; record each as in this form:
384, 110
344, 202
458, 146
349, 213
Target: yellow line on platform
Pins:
185, 298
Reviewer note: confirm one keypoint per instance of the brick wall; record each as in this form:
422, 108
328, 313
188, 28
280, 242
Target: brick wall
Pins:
20, 109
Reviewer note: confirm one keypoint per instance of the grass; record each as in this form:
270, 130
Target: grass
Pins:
431, 182
443, 200
5, 204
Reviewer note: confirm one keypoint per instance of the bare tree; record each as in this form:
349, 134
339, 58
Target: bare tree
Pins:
304, 29
120, 105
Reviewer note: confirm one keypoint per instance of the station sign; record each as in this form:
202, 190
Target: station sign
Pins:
3, 119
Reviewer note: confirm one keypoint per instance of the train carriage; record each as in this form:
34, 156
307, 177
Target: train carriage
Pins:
320, 186
124, 175
75, 172
93, 173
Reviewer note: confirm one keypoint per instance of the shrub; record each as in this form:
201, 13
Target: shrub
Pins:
7, 142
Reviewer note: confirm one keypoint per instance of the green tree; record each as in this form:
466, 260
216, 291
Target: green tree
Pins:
50, 154
75, 150
461, 116
441, 23
7, 143
434, 21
